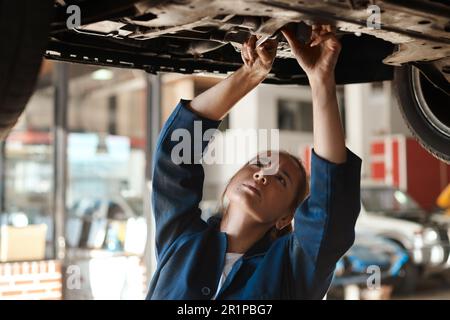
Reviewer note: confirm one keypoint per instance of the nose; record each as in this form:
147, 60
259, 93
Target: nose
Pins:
258, 176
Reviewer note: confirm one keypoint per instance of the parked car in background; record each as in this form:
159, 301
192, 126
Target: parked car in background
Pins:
106, 238
441, 218
368, 258
391, 213
108, 224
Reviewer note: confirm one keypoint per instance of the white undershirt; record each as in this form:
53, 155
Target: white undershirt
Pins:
230, 260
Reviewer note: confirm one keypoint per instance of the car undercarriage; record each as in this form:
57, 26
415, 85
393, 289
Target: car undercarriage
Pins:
193, 36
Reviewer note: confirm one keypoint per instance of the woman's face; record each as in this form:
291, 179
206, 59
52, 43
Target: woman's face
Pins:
266, 187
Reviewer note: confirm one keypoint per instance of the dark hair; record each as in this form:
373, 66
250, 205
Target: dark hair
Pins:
301, 194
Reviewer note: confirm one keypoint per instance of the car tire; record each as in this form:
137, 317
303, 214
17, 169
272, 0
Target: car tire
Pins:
425, 109
407, 280
25, 27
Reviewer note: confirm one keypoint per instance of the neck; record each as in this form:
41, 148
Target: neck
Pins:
241, 229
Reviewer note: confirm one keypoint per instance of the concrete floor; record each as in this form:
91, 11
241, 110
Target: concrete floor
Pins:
437, 288
433, 288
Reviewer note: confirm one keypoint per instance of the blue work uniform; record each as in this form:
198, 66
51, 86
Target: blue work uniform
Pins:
191, 251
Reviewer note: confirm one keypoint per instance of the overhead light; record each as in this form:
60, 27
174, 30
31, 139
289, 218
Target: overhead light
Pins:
102, 74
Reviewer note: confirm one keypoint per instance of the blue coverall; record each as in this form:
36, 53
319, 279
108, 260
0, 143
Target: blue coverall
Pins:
190, 251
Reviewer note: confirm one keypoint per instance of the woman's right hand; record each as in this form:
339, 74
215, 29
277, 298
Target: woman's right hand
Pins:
216, 102
259, 61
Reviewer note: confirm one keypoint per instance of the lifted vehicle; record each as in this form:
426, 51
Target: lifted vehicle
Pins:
410, 45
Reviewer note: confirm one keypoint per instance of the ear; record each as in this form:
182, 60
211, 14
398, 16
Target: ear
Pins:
284, 221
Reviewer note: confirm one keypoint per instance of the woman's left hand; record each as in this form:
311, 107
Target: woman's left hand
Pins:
319, 57
259, 60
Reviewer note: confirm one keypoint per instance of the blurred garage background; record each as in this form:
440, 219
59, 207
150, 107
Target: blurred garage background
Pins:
75, 190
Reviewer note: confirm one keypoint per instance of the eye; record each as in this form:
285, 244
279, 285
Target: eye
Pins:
259, 164
281, 179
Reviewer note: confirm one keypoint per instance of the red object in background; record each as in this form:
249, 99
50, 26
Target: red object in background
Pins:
306, 158
30, 137
400, 161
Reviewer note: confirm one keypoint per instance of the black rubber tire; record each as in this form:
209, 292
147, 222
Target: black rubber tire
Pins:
406, 283
427, 135
25, 27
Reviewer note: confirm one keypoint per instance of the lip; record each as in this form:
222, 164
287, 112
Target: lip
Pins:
253, 189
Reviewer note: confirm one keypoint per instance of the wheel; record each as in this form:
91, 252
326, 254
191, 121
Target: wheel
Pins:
25, 28
407, 280
426, 110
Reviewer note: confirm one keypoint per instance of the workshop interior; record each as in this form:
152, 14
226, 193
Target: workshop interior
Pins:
88, 89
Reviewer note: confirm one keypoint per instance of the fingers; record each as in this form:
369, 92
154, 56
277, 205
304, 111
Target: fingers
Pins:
248, 51
321, 38
319, 30
267, 50
251, 48
265, 53
269, 45
321, 34
290, 38
244, 56
322, 27
259, 58
252, 41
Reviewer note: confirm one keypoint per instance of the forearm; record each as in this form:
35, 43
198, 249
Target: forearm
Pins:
178, 177
217, 101
329, 139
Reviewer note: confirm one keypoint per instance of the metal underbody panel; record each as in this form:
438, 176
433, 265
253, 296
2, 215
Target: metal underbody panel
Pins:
206, 35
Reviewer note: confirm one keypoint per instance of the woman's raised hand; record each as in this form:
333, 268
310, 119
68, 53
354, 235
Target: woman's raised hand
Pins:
318, 57
259, 60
